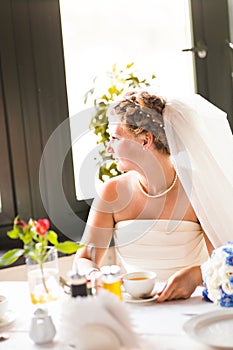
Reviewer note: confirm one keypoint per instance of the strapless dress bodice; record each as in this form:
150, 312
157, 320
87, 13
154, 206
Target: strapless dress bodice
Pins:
163, 246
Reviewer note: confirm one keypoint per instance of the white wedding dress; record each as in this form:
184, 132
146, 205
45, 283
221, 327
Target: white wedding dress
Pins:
163, 246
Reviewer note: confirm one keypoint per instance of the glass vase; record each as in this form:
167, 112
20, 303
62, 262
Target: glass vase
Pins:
43, 277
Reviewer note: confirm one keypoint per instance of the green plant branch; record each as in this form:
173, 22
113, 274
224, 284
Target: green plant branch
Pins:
43, 277
120, 81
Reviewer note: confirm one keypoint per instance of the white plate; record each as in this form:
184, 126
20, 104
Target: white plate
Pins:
212, 328
8, 318
129, 299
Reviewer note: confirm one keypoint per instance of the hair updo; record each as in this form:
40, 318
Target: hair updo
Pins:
142, 112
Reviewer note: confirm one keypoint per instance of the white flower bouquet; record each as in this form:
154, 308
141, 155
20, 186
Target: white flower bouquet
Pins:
217, 274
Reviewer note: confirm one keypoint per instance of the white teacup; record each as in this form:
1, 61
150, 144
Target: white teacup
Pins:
140, 283
3, 305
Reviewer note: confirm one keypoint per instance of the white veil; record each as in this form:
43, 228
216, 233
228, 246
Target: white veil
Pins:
201, 146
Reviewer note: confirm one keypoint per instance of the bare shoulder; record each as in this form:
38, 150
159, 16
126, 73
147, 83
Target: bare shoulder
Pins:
112, 189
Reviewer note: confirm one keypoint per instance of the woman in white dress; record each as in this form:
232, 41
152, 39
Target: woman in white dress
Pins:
148, 208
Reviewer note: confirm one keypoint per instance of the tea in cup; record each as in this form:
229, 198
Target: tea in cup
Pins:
3, 305
139, 284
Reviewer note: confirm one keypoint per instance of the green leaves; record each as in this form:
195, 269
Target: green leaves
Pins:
11, 256
68, 247
52, 237
35, 239
13, 234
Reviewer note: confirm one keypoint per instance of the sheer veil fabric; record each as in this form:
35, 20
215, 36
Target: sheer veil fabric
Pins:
201, 146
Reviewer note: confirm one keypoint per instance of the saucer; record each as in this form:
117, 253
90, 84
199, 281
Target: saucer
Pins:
129, 299
7, 319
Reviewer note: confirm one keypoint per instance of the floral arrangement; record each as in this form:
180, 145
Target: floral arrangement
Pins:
39, 244
36, 237
218, 276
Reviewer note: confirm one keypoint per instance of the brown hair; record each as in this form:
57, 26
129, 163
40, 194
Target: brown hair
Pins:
142, 112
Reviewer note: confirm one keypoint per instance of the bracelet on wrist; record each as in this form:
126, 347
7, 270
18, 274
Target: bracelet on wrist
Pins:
92, 269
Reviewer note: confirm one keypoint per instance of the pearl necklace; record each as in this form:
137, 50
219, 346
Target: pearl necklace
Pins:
160, 194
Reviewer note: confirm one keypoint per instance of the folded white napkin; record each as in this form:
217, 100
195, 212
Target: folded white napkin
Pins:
105, 310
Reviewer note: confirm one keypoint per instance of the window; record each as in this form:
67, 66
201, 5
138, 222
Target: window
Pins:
97, 34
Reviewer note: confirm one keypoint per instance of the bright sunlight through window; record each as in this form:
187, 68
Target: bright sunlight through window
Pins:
98, 34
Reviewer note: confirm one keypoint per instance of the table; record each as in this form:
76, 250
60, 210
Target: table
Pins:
159, 325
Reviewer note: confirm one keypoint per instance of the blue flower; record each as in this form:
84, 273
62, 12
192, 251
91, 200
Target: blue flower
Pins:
205, 295
228, 250
231, 280
229, 260
226, 300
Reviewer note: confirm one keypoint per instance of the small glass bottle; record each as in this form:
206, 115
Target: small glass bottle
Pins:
78, 285
111, 279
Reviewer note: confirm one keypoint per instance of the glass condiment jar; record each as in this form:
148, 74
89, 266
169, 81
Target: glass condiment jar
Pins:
78, 285
111, 279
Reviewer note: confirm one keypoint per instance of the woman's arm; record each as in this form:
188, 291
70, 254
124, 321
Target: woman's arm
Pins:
209, 245
98, 231
181, 284
184, 282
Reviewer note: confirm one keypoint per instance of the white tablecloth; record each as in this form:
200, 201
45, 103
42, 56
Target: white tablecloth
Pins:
159, 325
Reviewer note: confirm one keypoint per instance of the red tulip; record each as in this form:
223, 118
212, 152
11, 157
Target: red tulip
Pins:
42, 226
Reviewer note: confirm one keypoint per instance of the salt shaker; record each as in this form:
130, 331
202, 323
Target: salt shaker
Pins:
42, 329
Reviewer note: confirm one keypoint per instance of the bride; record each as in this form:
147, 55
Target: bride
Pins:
171, 206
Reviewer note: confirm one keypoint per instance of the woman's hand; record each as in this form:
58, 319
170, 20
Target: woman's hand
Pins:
181, 284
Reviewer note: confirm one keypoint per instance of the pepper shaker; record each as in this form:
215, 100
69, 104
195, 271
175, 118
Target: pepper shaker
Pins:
78, 285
